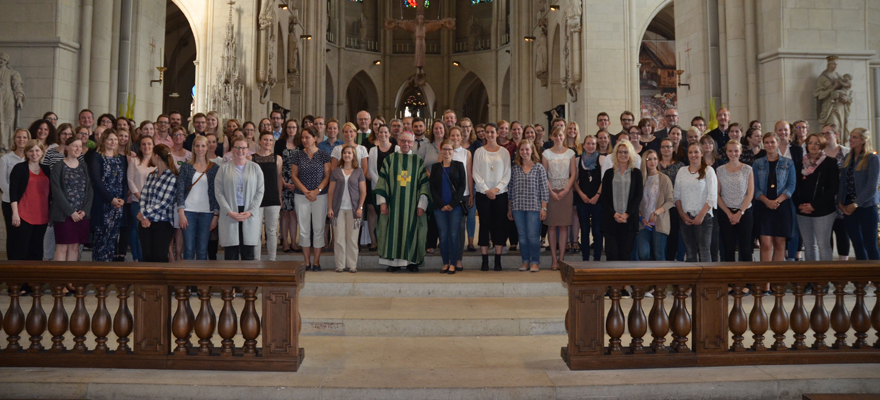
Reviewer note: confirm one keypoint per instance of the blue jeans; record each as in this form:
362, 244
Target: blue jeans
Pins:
794, 243
136, 253
862, 228
472, 220
590, 216
448, 227
651, 243
195, 236
528, 225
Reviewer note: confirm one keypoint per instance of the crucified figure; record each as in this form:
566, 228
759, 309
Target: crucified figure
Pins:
420, 28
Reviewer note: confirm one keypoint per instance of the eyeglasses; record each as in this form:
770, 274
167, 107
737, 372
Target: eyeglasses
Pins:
162, 123
404, 141
178, 134
666, 147
265, 124
52, 119
240, 147
672, 116
622, 120
448, 149
467, 126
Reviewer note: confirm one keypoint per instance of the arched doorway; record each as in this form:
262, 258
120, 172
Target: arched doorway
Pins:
472, 99
180, 78
657, 80
361, 95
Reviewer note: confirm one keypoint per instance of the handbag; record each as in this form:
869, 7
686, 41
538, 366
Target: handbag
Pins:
210, 165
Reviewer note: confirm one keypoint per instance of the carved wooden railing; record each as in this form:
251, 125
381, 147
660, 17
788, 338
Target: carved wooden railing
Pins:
161, 302
720, 322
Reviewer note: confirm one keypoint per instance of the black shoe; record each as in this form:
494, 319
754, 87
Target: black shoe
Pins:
444, 271
459, 269
316, 267
624, 294
299, 250
485, 265
471, 249
309, 267
392, 269
451, 272
498, 262
372, 249
412, 268
809, 288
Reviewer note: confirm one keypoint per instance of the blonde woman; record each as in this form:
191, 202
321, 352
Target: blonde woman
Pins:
620, 197
858, 197
657, 199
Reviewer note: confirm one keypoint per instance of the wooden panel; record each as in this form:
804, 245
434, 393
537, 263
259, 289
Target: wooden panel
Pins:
280, 322
588, 320
152, 312
710, 334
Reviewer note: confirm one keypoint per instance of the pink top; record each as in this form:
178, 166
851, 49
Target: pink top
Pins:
137, 176
167, 141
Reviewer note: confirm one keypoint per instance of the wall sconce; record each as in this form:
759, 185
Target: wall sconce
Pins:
456, 63
306, 37
377, 62
282, 6
161, 76
678, 73
554, 7
530, 38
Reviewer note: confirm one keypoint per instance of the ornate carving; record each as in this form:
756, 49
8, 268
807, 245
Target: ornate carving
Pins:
834, 98
572, 50
293, 51
541, 56
268, 48
227, 92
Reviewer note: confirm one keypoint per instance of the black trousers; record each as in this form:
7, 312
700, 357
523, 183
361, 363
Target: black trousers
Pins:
619, 241
433, 235
155, 241
124, 232
25, 241
736, 235
7, 219
839, 229
493, 219
240, 252
672, 238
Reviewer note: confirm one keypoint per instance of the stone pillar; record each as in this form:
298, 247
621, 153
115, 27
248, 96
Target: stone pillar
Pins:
85, 54
751, 59
875, 76
114, 57
124, 51
99, 76
314, 18
522, 71
737, 84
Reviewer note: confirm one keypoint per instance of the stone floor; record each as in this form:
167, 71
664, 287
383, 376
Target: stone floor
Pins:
472, 335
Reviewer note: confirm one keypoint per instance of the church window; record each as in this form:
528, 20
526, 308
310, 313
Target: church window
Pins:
480, 1
415, 3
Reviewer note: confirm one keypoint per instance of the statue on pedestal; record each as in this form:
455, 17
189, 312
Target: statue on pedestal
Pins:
292, 52
267, 51
572, 49
834, 98
11, 100
362, 32
541, 53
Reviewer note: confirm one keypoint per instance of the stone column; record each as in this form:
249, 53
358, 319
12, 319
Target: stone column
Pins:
102, 39
737, 84
522, 72
114, 56
875, 76
124, 51
85, 55
751, 43
314, 18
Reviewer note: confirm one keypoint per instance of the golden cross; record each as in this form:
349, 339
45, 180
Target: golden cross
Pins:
404, 178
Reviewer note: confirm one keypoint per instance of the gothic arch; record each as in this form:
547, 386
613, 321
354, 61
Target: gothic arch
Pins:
427, 91
361, 95
472, 99
190, 17
557, 91
659, 7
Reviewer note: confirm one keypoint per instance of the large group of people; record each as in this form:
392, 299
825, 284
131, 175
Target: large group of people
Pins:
164, 191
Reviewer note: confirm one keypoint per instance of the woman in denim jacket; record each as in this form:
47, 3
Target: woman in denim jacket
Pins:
858, 197
774, 185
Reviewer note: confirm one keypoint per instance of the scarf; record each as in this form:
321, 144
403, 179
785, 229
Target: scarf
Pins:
810, 166
590, 161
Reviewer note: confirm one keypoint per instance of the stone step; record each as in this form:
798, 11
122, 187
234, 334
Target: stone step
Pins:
421, 317
442, 368
429, 283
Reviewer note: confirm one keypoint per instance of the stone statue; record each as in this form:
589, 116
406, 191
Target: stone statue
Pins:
419, 27
572, 50
362, 31
292, 52
834, 98
11, 100
541, 55
268, 49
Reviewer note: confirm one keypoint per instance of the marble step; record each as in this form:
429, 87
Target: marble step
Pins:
429, 283
423, 317
441, 368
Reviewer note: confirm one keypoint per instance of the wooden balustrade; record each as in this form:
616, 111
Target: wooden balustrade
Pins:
701, 313
162, 313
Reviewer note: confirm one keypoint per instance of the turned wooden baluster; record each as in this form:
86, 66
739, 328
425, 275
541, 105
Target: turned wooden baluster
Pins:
58, 319
875, 315
13, 324
181, 324
638, 324
681, 321
840, 317
758, 318
206, 321
227, 325
800, 319
250, 322
737, 320
615, 323
861, 320
101, 322
658, 320
192, 321
36, 319
779, 318
79, 320
819, 319
123, 323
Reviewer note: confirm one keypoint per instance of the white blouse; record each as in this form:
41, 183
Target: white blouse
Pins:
560, 168
374, 164
461, 155
491, 170
695, 193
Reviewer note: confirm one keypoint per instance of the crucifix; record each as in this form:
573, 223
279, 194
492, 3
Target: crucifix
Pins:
419, 27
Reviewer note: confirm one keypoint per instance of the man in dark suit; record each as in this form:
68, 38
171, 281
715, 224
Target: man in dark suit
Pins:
671, 117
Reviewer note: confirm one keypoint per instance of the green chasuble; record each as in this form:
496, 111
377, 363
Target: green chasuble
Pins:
402, 180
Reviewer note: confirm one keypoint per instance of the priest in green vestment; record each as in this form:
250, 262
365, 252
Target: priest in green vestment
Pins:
402, 194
